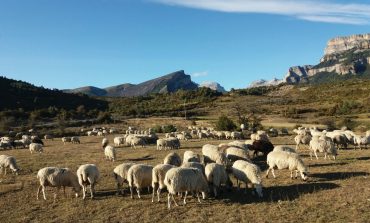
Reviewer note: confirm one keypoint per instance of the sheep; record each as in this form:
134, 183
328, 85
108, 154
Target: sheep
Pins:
195, 165
158, 175
181, 136
75, 140
261, 146
324, 145
248, 172
35, 147
88, 174
104, 142
8, 162
236, 135
120, 174
36, 139
139, 176
216, 175
18, 144
48, 137
57, 177
178, 180
361, 140
190, 156
161, 143
284, 149
137, 141
66, 139
118, 140
286, 160
236, 153
302, 139
173, 143
173, 159
110, 153
212, 154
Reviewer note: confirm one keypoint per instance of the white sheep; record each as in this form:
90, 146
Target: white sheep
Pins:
8, 162
57, 177
110, 153
286, 160
186, 180
247, 172
361, 141
190, 156
195, 165
236, 153
158, 175
35, 147
120, 174
75, 140
104, 142
118, 140
173, 159
324, 145
88, 174
139, 176
162, 143
302, 139
48, 137
137, 141
216, 176
212, 154
66, 139
284, 149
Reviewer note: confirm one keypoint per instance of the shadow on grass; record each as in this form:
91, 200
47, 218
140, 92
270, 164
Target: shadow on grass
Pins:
337, 175
141, 158
276, 193
328, 164
363, 158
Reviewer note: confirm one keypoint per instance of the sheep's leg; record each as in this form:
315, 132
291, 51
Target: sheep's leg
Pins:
83, 192
43, 192
186, 193
310, 154
291, 174
169, 201
173, 199
215, 190
315, 154
153, 194
273, 173
132, 192
118, 189
267, 173
5, 171
64, 191
92, 190
138, 192
296, 174
158, 192
38, 192
198, 198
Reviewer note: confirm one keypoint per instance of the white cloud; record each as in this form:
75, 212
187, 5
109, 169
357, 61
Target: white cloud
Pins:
200, 74
310, 10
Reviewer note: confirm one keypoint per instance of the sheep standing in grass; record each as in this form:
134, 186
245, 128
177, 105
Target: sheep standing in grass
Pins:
361, 141
212, 154
35, 147
158, 175
104, 142
75, 140
186, 180
137, 141
195, 165
161, 144
236, 153
302, 139
173, 159
120, 174
48, 137
286, 160
88, 174
118, 141
66, 139
110, 153
139, 176
262, 146
57, 177
216, 176
324, 145
8, 162
248, 173
190, 156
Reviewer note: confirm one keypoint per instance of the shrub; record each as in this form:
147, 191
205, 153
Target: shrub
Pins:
157, 129
169, 128
225, 124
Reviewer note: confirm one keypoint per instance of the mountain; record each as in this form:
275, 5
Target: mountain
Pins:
19, 94
164, 84
262, 82
213, 85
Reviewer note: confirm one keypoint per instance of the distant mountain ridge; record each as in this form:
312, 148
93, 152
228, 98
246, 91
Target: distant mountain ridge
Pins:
213, 85
164, 84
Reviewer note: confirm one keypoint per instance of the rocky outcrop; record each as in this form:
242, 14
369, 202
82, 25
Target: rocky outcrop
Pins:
341, 44
213, 85
262, 82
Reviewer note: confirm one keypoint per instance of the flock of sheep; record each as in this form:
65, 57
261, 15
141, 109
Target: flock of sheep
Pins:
197, 174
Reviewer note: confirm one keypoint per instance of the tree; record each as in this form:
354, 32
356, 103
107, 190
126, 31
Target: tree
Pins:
225, 124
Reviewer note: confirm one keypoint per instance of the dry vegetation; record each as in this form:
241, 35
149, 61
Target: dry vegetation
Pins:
337, 191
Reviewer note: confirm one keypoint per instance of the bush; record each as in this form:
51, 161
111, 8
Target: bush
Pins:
225, 124
169, 128
157, 129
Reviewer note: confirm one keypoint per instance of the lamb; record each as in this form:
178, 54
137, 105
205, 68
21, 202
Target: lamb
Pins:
8, 162
248, 173
186, 180
190, 156
195, 165
118, 141
57, 177
236, 153
158, 175
110, 153
104, 142
216, 175
302, 139
35, 147
66, 139
286, 160
120, 174
284, 149
324, 145
139, 176
212, 154
75, 140
173, 159
88, 174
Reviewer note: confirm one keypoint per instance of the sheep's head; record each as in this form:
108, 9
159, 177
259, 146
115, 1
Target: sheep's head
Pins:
304, 175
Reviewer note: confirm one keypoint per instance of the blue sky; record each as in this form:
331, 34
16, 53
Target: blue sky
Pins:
72, 43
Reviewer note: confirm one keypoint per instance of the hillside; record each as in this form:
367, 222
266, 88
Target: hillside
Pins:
164, 84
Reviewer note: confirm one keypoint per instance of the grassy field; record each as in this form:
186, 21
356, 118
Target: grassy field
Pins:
337, 191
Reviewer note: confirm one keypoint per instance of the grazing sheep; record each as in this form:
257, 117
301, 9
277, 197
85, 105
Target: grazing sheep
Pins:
284, 149
66, 139
212, 154
261, 146
35, 147
161, 143
137, 141
36, 139
139, 176
8, 162
18, 144
361, 141
195, 165
236, 153
57, 177
273, 132
118, 141
236, 135
158, 175
104, 142
286, 160
110, 153
75, 140
302, 139
247, 172
190, 156
173, 143
186, 180
216, 175
173, 159
88, 174
323, 145
120, 174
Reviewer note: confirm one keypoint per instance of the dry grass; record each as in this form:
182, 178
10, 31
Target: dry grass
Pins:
338, 191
